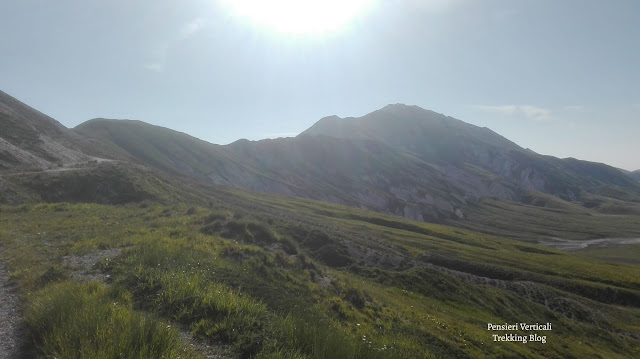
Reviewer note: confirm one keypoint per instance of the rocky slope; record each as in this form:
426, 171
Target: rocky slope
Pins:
401, 160
454, 146
359, 172
41, 160
31, 140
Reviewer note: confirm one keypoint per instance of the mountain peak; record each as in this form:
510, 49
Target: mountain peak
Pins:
331, 118
330, 125
397, 105
336, 126
401, 106
107, 120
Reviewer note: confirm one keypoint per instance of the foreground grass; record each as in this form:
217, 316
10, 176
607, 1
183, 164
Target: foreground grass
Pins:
71, 320
256, 286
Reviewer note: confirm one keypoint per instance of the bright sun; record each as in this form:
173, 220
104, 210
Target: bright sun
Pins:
299, 17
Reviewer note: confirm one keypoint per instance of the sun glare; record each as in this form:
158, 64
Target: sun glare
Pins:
299, 17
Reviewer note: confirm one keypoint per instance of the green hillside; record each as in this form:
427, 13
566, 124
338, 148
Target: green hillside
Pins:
270, 277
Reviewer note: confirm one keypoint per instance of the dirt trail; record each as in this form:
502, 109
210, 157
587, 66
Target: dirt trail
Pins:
11, 331
576, 245
75, 166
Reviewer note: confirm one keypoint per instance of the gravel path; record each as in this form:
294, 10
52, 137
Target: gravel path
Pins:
11, 334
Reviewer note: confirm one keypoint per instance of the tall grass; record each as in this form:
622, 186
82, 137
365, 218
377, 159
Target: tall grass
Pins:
213, 310
71, 320
320, 339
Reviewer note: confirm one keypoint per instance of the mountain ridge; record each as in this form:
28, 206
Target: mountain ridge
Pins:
400, 160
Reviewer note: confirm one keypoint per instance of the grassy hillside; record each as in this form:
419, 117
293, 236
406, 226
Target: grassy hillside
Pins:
546, 217
626, 253
93, 182
162, 148
269, 277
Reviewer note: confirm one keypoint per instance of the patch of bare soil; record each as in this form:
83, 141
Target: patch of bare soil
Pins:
83, 266
201, 346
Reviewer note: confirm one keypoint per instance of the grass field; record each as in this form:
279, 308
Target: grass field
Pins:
629, 253
301, 279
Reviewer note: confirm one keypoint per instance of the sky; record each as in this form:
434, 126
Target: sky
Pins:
559, 77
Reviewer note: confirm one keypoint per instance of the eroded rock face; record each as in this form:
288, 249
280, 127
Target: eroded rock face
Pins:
531, 180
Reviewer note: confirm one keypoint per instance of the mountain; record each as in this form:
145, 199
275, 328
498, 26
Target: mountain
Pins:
451, 143
162, 148
412, 129
359, 172
31, 140
400, 160
42, 160
636, 175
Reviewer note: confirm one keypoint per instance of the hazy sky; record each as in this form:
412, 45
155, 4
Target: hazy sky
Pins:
559, 77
